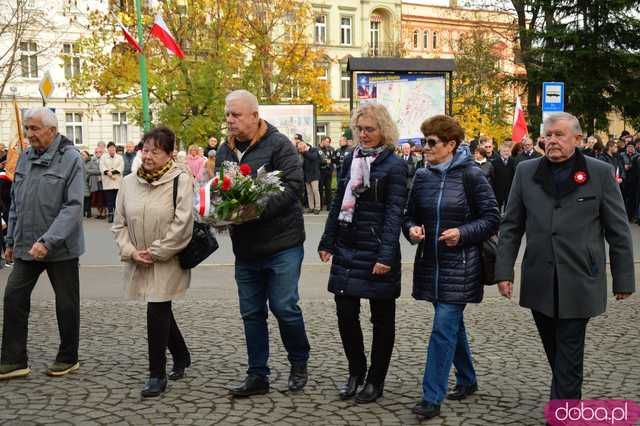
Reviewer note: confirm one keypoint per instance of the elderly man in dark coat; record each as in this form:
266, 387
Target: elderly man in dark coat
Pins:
565, 203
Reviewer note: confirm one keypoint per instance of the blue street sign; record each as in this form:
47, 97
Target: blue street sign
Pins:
552, 96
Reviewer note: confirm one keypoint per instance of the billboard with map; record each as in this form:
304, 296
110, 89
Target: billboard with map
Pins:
410, 98
291, 119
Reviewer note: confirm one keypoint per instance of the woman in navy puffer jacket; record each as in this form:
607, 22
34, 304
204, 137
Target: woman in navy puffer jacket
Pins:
449, 224
362, 234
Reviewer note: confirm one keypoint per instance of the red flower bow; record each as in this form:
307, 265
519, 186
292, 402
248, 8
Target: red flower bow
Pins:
245, 169
580, 178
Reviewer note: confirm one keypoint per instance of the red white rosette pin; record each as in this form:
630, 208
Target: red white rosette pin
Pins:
580, 177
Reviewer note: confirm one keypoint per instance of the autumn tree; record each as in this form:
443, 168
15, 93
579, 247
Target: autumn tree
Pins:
257, 45
482, 96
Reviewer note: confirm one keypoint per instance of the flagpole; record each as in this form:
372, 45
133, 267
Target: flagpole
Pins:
143, 72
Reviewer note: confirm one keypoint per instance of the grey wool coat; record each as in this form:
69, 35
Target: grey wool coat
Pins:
565, 232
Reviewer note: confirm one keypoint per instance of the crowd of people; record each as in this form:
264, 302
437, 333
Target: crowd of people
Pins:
447, 199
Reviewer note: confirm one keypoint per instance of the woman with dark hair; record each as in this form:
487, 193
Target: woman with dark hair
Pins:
480, 158
361, 235
151, 229
111, 167
450, 212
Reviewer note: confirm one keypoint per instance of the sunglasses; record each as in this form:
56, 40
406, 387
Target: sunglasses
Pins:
432, 142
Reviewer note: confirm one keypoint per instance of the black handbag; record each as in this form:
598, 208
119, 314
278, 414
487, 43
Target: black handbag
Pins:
202, 243
488, 248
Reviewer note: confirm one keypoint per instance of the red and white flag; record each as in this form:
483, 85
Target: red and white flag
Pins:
132, 41
160, 31
519, 130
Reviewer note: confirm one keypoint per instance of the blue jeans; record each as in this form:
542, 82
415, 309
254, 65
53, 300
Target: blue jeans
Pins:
448, 344
273, 279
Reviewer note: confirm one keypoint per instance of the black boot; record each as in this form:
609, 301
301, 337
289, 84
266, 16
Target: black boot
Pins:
426, 410
350, 388
178, 371
461, 392
154, 386
370, 393
251, 385
298, 377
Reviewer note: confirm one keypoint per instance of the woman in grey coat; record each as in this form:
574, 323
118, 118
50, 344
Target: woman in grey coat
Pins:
94, 178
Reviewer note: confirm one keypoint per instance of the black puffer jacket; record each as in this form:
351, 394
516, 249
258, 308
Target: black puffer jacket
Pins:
438, 201
281, 225
373, 235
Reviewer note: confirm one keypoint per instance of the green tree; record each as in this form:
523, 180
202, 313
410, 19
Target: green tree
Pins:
482, 94
228, 44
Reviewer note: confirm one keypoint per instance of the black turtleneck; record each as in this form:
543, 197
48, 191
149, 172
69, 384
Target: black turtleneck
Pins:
562, 172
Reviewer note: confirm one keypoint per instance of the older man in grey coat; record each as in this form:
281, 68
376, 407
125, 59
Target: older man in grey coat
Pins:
44, 234
567, 204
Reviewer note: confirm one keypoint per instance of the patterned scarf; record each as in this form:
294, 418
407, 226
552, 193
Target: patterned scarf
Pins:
359, 180
153, 176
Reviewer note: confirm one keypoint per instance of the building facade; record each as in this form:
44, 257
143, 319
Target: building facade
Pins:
351, 28
52, 48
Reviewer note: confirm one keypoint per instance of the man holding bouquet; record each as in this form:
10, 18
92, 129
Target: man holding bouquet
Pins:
268, 250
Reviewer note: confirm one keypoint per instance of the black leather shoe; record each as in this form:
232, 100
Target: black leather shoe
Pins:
462, 391
179, 372
350, 388
251, 385
426, 409
154, 386
298, 377
369, 393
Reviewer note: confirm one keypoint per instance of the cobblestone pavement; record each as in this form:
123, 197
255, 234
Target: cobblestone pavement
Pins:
512, 372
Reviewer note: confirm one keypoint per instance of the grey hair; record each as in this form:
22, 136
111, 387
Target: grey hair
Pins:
559, 116
47, 116
243, 95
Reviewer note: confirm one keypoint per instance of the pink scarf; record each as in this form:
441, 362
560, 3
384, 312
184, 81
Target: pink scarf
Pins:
359, 180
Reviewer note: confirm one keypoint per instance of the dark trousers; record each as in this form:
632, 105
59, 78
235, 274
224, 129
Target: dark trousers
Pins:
563, 341
163, 333
110, 198
325, 188
87, 206
383, 318
64, 277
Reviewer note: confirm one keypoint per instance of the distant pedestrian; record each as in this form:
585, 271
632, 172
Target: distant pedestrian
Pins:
327, 154
504, 168
311, 168
95, 183
128, 157
195, 161
111, 167
45, 234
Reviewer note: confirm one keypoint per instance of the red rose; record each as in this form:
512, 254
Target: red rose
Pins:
245, 169
226, 183
215, 181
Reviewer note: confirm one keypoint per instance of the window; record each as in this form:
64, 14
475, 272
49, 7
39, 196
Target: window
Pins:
415, 39
294, 89
29, 59
321, 131
71, 60
321, 29
324, 76
73, 122
435, 40
425, 39
375, 38
345, 30
345, 83
120, 133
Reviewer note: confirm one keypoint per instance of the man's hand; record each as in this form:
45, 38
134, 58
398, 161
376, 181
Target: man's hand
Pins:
38, 250
416, 233
451, 237
142, 257
325, 256
622, 296
8, 255
380, 269
506, 288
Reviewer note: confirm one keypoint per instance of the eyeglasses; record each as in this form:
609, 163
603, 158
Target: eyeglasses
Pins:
367, 130
432, 142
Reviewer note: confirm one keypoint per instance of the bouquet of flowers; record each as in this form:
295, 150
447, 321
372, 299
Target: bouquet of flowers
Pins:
235, 196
